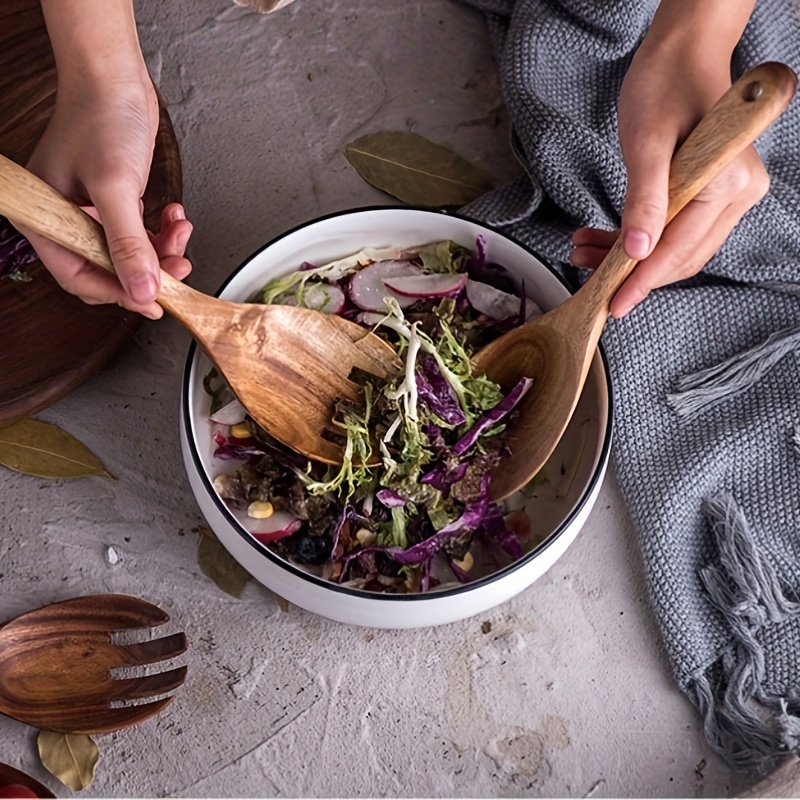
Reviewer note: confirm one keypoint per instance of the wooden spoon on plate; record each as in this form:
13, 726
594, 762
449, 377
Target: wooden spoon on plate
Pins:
287, 365
59, 663
557, 348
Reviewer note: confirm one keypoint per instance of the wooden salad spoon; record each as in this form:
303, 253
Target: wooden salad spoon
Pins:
56, 665
557, 348
287, 365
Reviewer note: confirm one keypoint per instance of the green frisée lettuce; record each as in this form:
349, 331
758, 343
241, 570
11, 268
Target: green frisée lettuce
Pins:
422, 518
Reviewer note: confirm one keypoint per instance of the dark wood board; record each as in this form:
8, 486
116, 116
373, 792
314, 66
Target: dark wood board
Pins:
52, 342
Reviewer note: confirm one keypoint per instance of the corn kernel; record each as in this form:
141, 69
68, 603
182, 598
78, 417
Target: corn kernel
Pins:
465, 563
240, 431
365, 537
260, 509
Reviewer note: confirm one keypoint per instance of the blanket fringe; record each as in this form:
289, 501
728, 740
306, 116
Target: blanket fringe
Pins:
731, 696
711, 386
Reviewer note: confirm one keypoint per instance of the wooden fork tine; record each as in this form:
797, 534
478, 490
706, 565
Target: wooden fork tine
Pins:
103, 613
150, 685
141, 614
101, 719
142, 653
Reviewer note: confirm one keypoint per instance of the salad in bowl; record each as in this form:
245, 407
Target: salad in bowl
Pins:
408, 514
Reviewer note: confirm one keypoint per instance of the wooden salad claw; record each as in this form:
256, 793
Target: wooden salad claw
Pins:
557, 348
287, 365
56, 665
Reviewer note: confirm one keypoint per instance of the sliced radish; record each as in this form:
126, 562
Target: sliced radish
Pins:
519, 523
281, 533
427, 285
280, 524
229, 414
367, 288
496, 303
341, 266
370, 319
326, 297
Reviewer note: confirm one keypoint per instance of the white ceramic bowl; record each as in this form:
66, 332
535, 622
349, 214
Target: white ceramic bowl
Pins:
557, 510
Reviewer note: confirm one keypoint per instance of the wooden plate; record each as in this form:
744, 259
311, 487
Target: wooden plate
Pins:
51, 342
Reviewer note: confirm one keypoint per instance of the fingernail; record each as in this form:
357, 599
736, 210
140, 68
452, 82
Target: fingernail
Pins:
176, 213
637, 244
143, 288
623, 310
577, 258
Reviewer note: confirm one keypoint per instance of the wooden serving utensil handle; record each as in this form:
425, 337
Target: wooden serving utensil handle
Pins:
741, 115
30, 203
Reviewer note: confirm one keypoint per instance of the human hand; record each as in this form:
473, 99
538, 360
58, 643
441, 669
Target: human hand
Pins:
674, 79
97, 151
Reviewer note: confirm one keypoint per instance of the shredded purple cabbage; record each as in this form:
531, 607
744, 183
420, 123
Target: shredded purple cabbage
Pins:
16, 252
444, 475
462, 576
357, 555
451, 534
479, 269
495, 529
434, 390
390, 498
493, 416
452, 467
344, 516
238, 452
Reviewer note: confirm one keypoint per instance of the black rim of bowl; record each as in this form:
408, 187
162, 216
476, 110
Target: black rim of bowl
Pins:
299, 572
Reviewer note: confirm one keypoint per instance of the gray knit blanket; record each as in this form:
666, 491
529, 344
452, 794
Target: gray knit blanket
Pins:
706, 373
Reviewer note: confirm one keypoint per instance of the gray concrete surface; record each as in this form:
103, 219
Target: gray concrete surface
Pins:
563, 692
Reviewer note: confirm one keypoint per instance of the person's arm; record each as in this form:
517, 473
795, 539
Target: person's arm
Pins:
680, 70
97, 151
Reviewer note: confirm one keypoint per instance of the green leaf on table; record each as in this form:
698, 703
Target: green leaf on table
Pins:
70, 757
47, 451
415, 170
219, 565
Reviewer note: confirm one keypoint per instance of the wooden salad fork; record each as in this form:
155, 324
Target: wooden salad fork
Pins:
58, 664
287, 365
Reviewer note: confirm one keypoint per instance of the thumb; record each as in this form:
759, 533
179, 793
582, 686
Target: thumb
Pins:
645, 210
135, 260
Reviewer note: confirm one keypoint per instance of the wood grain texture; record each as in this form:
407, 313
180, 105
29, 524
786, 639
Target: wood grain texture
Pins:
557, 349
52, 341
56, 665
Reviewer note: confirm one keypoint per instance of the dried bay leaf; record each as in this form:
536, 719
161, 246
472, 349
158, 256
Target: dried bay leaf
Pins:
47, 451
415, 170
70, 757
219, 565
